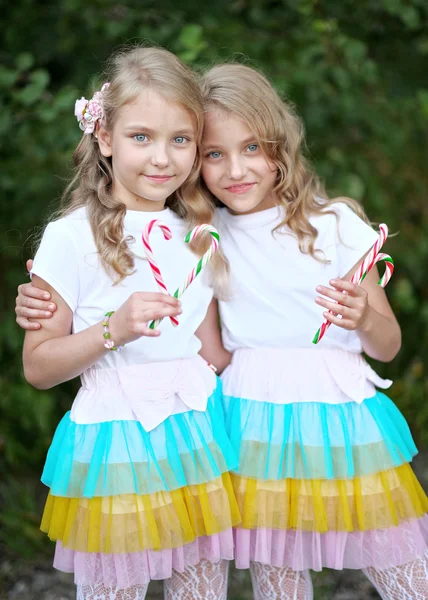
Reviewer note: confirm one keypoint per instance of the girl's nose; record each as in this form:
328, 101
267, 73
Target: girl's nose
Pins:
160, 157
236, 168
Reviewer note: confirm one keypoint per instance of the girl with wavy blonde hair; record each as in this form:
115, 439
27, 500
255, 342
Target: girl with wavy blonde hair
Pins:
324, 478
91, 186
138, 469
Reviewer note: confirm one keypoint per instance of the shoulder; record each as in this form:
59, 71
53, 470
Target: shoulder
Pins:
69, 235
340, 227
337, 217
342, 210
60, 255
78, 219
329, 212
73, 225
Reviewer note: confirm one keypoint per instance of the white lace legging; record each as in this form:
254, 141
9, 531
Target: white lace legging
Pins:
208, 581
274, 583
205, 581
406, 582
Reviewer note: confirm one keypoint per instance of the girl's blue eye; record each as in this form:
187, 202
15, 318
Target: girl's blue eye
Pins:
214, 154
140, 137
180, 140
253, 147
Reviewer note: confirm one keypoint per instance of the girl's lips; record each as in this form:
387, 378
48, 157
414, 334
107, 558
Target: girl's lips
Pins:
240, 188
159, 178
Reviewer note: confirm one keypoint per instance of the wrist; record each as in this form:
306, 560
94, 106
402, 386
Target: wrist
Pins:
366, 323
111, 336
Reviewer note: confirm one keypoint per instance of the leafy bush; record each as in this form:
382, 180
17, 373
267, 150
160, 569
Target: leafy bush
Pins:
357, 73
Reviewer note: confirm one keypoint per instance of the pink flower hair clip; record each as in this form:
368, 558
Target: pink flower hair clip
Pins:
90, 112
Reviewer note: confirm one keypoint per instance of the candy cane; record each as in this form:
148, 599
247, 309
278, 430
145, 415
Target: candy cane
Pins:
360, 274
203, 261
149, 255
389, 268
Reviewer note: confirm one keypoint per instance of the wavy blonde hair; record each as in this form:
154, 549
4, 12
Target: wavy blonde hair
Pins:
246, 93
131, 72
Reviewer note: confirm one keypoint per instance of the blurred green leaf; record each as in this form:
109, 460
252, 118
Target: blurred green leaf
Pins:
7, 77
24, 61
32, 92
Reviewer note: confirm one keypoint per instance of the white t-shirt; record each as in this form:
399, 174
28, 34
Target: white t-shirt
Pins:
273, 283
68, 260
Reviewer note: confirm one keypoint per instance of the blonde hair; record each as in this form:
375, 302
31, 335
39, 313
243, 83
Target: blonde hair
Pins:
246, 93
131, 72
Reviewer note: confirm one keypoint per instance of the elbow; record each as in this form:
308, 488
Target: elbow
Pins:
392, 349
395, 346
386, 357
34, 377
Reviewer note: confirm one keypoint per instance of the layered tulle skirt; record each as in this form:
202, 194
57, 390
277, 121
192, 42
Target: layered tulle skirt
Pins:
128, 503
324, 478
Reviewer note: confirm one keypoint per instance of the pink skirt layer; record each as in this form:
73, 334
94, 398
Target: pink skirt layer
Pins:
382, 548
126, 570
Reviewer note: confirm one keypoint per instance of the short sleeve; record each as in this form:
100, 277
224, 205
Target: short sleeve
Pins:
56, 262
354, 237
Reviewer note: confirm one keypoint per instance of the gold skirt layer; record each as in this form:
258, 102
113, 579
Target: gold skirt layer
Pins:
377, 501
131, 522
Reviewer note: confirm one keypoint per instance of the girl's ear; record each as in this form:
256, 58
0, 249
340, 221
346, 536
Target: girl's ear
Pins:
104, 141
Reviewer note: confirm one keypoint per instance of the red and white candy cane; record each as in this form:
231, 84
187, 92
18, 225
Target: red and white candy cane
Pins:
149, 255
203, 261
373, 257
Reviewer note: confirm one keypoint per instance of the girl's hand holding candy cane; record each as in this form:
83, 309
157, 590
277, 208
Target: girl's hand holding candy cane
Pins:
130, 321
365, 309
347, 304
362, 271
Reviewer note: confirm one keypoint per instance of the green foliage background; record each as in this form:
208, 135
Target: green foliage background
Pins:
358, 74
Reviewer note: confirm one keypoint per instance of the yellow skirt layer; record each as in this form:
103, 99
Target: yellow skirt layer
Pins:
371, 502
131, 522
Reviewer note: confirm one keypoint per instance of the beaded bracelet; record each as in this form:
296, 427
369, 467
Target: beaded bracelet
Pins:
108, 342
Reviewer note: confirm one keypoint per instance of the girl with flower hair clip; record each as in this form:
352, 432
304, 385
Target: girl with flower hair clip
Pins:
138, 469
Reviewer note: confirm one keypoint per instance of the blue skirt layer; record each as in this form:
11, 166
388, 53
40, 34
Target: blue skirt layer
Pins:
120, 457
311, 440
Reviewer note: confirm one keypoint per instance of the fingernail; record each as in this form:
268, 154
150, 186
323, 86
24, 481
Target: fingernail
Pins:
48, 314
51, 306
318, 288
47, 296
